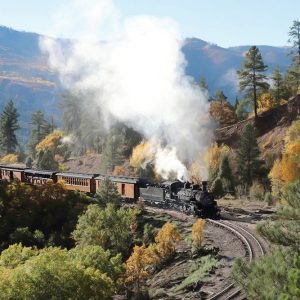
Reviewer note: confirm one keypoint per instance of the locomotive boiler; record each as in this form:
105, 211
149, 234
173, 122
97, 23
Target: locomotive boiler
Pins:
184, 196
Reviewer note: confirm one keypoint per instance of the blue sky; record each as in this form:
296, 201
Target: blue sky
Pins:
223, 22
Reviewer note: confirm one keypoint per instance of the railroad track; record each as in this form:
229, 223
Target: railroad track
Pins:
254, 249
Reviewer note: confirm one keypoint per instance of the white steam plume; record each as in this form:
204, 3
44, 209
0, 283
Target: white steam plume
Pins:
136, 75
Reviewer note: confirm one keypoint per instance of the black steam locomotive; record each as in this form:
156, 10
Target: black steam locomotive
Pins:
185, 197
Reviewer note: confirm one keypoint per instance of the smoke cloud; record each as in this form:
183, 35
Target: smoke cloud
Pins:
134, 71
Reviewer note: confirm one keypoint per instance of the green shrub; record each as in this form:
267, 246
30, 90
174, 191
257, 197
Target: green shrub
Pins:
198, 272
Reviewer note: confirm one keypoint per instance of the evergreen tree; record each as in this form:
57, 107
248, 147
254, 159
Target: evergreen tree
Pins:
248, 164
286, 229
8, 126
220, 96
292, 76
72, 113
265, 279
279, 90
113, 152
84, 124
40, 129
236, 103
292, 79
217, 188
252, 77
28, 162
131, 139
225, 175
203, 85
72, 108
294, 34
107, 193
46, 161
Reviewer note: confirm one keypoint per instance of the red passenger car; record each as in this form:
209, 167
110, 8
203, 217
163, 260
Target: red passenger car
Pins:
78, 182
11, 173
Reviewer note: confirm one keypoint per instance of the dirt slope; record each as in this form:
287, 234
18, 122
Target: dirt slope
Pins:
271, 127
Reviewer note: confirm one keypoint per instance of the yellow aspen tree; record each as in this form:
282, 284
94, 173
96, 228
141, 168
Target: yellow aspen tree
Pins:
136, 266
166, 240
9, 159
287, 169
141, 154
198, 233
194, 172
213, 158
51, 141
266, 102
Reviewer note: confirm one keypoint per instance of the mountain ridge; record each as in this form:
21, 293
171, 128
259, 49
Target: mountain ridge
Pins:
26, 78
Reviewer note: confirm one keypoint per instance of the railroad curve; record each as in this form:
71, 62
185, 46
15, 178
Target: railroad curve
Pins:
254, 250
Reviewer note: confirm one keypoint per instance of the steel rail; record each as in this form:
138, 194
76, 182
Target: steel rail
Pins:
249, 248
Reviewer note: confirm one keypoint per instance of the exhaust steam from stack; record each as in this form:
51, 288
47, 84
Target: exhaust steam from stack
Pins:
133, 69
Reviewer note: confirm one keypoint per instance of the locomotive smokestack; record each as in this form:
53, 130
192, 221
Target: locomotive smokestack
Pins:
204, 185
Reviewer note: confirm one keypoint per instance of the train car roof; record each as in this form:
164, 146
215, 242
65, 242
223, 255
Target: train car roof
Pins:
12, 167
126, 179
42, 172
169, 182
77, 175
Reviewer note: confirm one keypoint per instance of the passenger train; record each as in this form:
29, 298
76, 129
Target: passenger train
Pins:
187, 197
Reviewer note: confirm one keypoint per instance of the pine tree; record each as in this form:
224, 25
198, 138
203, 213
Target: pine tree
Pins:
292, 76
265, 279
279, 90
45, 160
28, 162
40, 129
294, 34
219, 96
107, 193
113, 152
236, 103
285, 231
217, 188
8, 126
252, 77
225, 175
202, 84
248, 164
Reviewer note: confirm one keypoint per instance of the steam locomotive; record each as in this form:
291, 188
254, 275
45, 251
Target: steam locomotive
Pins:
182, 196
186, 197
